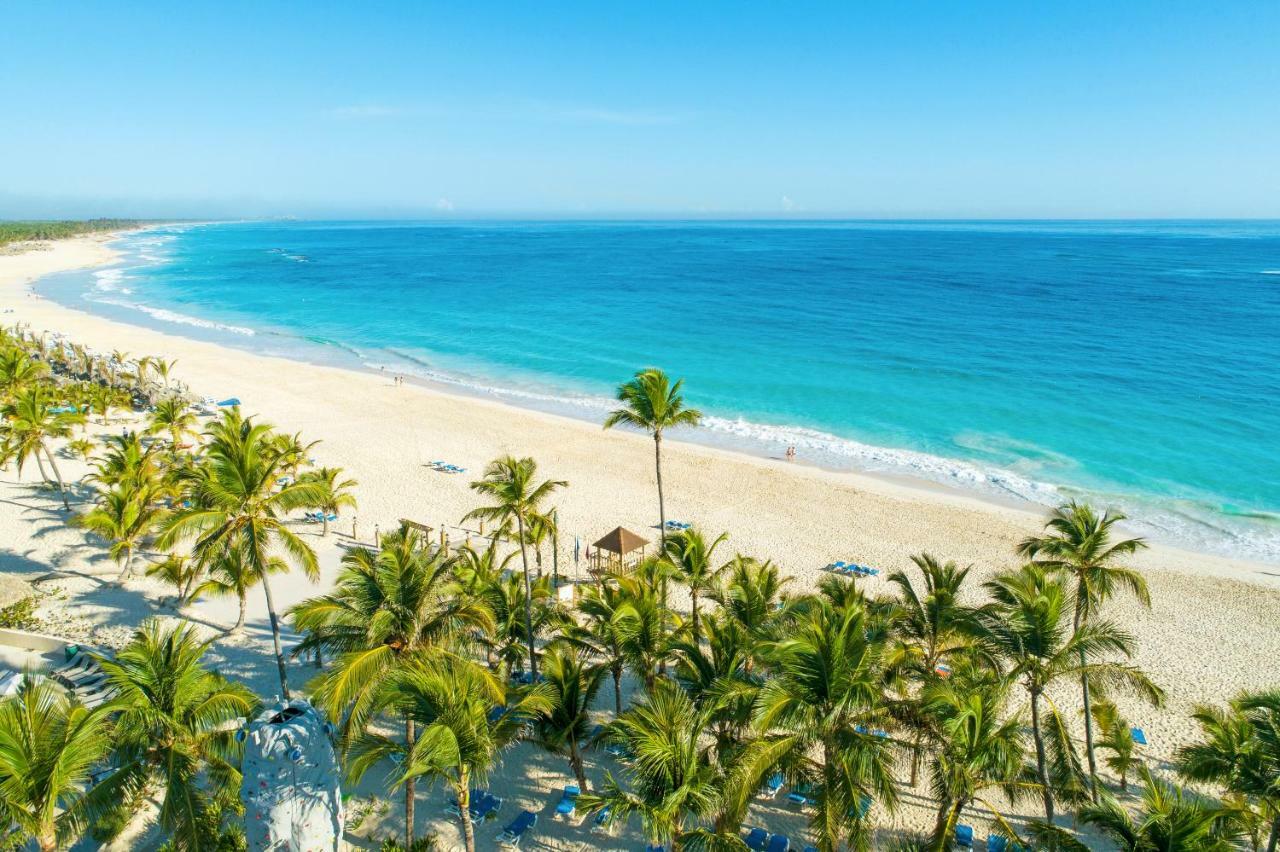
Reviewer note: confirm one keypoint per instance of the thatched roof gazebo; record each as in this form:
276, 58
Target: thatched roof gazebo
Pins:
618, 550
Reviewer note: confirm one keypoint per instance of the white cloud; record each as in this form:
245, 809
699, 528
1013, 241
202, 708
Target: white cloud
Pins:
790, 206
444, 205
625, 117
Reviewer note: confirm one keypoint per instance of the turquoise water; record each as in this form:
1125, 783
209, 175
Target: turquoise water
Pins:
1135, 363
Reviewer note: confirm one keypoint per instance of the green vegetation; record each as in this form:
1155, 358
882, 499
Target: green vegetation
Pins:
856, 696
21, 231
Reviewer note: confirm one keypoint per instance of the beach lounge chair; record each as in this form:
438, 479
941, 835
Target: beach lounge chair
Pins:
229, 402
654, 847
487, 809
836, 566
779, 843
600, 825
517, 829
568, 802
772, 786
99, 698
1139, 736
803, 795
964, 836
757, 839
996, 843
942, 671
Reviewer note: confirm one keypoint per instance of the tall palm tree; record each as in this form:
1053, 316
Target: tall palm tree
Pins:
48, 746
653, 403
450, 699
230, 573
28, 427
690, 555
172, 417
174, 727
236, 506
125, 515
572, 685
752, 596
1240, 750
1078, 543
386, 611
1030, 628
605, 616
645, 626
825, 699
928, 629
510, 484
672, 780
334, 492
163, 368
1167, 820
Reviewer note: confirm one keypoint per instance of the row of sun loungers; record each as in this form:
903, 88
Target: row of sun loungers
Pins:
446, 468
86, 680
482, 805
995, 843
319, 517
762, 841
853, 569
678, 526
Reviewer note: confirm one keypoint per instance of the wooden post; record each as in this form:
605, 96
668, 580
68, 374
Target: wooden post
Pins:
555, 548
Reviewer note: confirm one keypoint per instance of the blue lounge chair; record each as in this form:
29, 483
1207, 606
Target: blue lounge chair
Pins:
773, 785
996, 843
836, 566
1139, 736
600, 824
496, 713
757, 839
229, 402
488, 809
802, 795
517, 829
568, 801
654, 847
453, 806
964, 836
779, 843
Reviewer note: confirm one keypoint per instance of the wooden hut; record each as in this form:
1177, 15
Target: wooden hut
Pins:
617, 552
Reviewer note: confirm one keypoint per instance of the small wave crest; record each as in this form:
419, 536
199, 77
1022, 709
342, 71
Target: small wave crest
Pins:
108, 280
165, 315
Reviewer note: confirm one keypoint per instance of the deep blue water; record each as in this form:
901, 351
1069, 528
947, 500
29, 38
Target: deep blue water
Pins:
1137, 363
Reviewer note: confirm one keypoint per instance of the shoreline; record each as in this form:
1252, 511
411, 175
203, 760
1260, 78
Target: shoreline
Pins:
92, 251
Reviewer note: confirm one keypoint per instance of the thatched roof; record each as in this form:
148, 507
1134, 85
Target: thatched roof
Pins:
621, 541
13, 589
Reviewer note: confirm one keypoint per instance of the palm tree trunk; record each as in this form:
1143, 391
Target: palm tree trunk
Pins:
617, 691
528, 601
410, 736
575, 763
127, 570
244, 605
57, 474
662, 509
464, 811
1274, 842
275, 636
1041, 765
915, 760
48, 840
324, 532
1088, 714
697, 633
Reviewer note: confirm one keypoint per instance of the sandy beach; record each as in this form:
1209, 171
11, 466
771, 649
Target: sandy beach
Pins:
1211, 631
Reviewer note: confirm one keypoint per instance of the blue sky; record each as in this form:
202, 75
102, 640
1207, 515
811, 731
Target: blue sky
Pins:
895, 109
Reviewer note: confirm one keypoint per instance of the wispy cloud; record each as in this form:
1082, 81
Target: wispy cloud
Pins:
624, 117
444, 205
524, 110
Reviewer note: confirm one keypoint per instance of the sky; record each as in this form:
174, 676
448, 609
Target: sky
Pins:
705, 109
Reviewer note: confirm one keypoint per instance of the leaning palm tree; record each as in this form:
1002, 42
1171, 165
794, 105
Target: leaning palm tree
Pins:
388, 609
1029, 627
333, 492
172, 417
163, 369
604, 627
175, 727
1078, 543
652, 403
572, 685
1167, 820
690, 556
230, 573
48, 747
510, 484
1240, 750
451, 700
125, 515
27, 428
236, 505
825, 700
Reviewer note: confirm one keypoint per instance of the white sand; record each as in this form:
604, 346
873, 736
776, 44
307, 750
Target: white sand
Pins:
1211, 632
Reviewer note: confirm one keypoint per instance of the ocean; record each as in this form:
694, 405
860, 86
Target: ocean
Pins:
1133, 364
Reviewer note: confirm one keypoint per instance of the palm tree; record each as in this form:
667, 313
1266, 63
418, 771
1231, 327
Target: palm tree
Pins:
1240, 750
387, 610
752, 596
690, 555
509, 483
450, 699
825, 698
163, 368
82, 447
293, 451
1115, 736
334, 493
48, 746
118, 357
236, 506
717, 672
928, 630
572, 685
978, 748
645, 626
27, 429
18, 372
1028, 627
672, 780
183, 574
1078, 544
652, 403
1168, 820
230, 573
172, 416
605, 614
125, 515
174, 726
